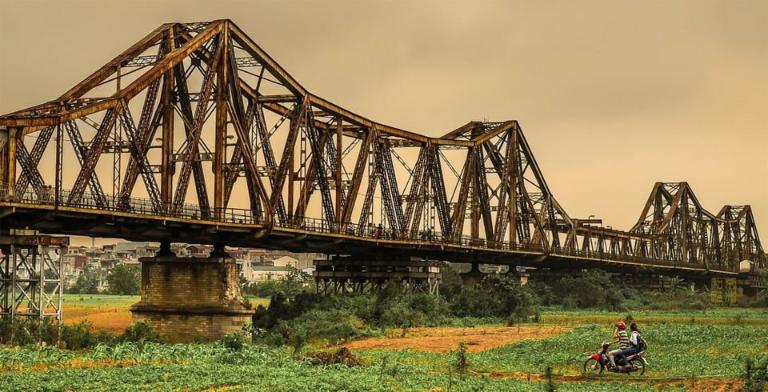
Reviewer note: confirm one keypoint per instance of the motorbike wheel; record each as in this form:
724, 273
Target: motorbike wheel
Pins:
638, 366
592, 367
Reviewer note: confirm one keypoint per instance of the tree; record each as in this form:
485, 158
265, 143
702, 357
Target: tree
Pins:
124, 279
87, 283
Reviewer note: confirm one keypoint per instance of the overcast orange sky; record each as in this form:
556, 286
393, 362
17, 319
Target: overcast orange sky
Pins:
612, 95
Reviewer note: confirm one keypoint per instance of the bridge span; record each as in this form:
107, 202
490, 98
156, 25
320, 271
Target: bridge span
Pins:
270, 164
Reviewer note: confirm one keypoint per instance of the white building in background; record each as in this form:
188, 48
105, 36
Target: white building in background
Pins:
256, 270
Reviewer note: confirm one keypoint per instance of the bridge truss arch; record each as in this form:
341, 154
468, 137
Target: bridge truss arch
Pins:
202, 106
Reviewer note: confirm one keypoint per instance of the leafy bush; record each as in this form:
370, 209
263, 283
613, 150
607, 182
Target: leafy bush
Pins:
596, 289
591, 289
334, 319
342, 356
461, 363
87, 283
29, 331
756, 375
124, 279
233, 341
140, 332
332, 326
499, 296
81, 336
295, 283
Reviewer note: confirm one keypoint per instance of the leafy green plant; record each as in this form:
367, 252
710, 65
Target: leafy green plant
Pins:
461, 364
140, 332
233, 341
756, 375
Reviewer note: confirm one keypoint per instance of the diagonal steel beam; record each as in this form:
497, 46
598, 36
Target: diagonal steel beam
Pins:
92, 157
73, 132
32, 173
193, 141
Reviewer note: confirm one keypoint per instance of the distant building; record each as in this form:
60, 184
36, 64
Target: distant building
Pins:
275, 269
262, 272
254, 264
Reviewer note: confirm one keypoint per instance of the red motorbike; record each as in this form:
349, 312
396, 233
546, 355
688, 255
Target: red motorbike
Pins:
598, 363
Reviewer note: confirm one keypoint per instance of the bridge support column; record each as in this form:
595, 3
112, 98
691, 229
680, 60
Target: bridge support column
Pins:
189, 299
723, 291
8, 140
473, 277
31, 279
343, 274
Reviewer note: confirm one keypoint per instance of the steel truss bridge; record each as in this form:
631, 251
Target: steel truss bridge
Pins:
270, 164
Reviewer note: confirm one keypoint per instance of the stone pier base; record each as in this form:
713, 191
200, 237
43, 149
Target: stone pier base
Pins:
191, 299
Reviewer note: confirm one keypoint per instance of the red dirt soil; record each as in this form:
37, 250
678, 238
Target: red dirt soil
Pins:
447, 339
114, 319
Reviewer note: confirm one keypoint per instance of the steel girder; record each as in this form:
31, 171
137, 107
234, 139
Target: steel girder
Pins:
478, 185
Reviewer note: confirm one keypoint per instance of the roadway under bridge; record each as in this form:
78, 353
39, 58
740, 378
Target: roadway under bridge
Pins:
195, 134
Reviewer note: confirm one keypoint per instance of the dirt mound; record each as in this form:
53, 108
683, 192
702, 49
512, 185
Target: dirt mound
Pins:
444, 340
341, 356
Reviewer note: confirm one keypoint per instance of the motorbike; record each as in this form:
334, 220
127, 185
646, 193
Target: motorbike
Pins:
599, 362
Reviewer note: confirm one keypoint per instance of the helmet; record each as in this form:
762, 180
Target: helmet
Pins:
621, 326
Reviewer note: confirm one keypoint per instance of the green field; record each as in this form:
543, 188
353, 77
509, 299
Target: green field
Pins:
101, 299
692, 350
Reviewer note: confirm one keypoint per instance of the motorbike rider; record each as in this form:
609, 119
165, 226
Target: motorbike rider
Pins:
634, 341
622, 338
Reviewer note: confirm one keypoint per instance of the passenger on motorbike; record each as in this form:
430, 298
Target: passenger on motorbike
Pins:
620, 337
634, 341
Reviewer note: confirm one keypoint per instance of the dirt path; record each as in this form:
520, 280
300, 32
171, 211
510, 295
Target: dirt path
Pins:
441, 340
708, 384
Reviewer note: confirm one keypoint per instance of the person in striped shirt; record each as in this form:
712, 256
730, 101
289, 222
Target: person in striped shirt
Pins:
622, 338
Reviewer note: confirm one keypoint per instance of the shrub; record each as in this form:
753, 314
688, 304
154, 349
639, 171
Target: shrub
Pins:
756, 375
333, 326
81, 336
592, 289
87, 283
140, 332
461, 358
233, 341
499, 296
342, 356
298, 339
30, 331
124, 279
295, 283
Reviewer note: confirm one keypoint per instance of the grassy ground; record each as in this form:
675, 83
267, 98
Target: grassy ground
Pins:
675, 351
211, 367
692, 350
109, 312
716, 316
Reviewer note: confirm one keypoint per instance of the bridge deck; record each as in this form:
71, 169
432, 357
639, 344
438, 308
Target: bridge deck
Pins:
237, 227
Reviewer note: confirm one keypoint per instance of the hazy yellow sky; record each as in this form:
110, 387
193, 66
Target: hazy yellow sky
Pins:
612, 95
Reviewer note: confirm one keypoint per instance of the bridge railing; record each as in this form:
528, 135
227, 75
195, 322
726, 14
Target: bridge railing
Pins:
143, 206
133, 205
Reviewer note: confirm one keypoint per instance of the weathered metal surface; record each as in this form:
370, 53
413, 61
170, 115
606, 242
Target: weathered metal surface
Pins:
475, 192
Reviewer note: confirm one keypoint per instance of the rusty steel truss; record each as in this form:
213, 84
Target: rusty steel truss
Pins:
202, 106
31, 278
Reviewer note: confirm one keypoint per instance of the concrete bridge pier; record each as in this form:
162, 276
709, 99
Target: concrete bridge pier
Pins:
191, 299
